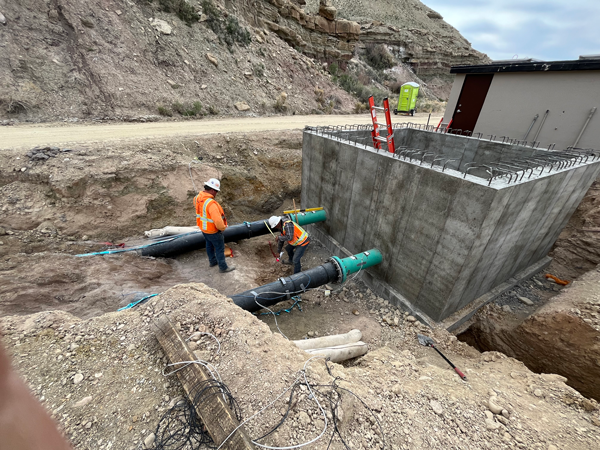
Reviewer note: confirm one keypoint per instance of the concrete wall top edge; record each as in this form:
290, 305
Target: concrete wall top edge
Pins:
496, 184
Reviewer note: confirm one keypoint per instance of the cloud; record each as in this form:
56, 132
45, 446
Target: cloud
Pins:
548, 30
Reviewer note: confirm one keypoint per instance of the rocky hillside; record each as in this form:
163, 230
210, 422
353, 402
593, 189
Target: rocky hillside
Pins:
63, 59
125, 60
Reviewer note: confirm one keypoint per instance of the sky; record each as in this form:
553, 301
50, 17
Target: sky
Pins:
550, 30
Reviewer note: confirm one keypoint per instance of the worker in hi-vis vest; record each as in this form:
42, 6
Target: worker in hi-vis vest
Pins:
211, 220
296, 238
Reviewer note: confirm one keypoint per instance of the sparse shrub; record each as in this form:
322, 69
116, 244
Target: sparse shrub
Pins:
360, 107
334, 69
430, 106
165, 111
320, 94
280, 103
228, 30
187, 110
378, 57
212, 110
183, 9
258, 70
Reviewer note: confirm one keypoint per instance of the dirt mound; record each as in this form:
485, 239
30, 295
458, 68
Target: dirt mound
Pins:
102, 381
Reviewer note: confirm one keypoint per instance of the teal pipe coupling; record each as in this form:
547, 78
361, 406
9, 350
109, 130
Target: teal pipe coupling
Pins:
306, 218
355, 263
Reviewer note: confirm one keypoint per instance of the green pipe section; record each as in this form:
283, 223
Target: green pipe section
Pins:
360, 261
305, 218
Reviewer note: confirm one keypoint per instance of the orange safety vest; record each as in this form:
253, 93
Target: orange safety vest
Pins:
300, 235
203, 219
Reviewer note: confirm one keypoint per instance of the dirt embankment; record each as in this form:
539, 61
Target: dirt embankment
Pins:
562, 337
101, 380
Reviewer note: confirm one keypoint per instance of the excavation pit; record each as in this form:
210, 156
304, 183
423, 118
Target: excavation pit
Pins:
457, 219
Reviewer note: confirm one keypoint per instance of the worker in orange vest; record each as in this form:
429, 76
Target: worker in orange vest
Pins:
295, 236
211, 220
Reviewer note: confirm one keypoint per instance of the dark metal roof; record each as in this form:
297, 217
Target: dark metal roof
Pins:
537, 66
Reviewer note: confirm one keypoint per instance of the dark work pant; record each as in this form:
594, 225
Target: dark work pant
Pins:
215, 249
295, 254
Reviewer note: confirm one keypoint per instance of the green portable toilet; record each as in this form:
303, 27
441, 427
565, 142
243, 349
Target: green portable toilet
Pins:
407, 101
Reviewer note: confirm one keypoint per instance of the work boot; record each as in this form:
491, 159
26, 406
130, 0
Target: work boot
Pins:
288, 263
213, 265
229, 269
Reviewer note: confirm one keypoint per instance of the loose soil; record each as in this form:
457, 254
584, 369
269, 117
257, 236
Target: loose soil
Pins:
59, 319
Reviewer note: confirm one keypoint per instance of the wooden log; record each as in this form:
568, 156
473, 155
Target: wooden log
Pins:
217, 417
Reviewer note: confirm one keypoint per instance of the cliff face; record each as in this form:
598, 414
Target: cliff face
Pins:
414, 33
318, 34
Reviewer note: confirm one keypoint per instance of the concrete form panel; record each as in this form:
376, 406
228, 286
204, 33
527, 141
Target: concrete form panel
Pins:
360, 195
457, 298
586, 176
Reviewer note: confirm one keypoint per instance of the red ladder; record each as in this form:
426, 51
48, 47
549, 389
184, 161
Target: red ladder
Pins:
377, 139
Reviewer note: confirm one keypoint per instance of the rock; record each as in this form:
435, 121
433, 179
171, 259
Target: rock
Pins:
525, 300
355, 312
552, 447
304, 418
149, 441
118, 12
242, 106
506, 308
193, 345
397, 389
538, 393
493, 407
538, 282
436, 407
492, 425
411, 319
203, 87
434, 15
588, 405
78, 378
596, 421
2, 19
212, 59
171, 82
248, 75
88, 425
327, 10
195, 336
2, 231
84, 401
161, 26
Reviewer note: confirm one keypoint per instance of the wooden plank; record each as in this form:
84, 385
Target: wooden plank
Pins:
215, 413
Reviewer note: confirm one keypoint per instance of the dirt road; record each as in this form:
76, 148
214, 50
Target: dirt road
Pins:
27, 136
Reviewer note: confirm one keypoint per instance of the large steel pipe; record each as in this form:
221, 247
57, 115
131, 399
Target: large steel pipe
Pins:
194, 241
334, 271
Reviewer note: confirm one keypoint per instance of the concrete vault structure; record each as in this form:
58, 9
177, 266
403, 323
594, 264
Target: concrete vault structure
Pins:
455, 217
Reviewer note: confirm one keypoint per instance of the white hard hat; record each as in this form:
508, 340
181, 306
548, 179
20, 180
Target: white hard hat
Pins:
274, 221
213, 183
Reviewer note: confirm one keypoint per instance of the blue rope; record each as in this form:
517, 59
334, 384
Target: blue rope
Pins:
297, 302
137, 302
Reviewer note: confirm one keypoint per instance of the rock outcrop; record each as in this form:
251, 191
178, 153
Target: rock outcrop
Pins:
318, 35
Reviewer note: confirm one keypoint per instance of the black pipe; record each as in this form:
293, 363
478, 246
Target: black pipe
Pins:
286, 287
195, 241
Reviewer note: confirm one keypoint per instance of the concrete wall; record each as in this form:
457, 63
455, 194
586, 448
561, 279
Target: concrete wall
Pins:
445, 239
515, 98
